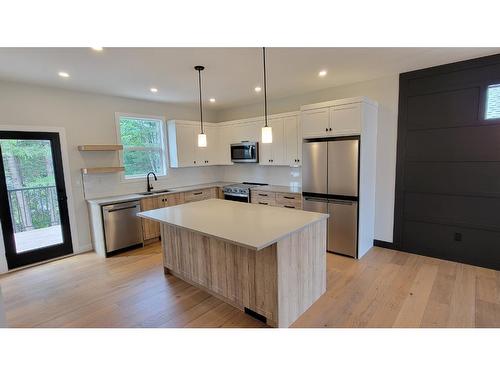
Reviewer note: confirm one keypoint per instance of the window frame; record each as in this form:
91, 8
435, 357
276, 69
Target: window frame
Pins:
164, 149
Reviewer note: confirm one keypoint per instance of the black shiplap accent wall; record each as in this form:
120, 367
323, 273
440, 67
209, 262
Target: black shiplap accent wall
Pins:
448, 164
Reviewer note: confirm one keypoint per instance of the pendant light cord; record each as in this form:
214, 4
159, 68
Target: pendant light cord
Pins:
201, 106
265, 84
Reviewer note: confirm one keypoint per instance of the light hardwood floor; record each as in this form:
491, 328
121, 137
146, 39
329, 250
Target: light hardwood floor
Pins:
384, 289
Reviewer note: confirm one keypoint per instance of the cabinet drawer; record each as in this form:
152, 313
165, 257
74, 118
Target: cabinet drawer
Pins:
264, 201
255, 195
285, 198
292, 204
199, 195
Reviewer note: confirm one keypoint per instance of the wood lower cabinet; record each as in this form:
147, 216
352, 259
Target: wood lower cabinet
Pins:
151, 229
220, 193
290, 200
263, 198
268, 198
199, 195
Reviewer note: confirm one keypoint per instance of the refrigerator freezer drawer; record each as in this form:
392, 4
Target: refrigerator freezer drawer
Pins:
315, 205
343, 227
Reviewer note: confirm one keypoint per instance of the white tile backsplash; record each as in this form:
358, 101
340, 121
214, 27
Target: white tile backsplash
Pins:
287, 176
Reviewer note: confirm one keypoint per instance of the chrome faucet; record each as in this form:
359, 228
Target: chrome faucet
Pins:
149, 186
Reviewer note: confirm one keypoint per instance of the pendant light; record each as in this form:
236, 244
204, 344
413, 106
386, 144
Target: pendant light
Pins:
267, 131
202, 137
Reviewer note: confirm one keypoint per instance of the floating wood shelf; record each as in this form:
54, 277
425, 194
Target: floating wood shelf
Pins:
102, 170
100, 147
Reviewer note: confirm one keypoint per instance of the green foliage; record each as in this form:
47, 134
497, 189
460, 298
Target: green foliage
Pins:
28, 163
142, 146
30, 180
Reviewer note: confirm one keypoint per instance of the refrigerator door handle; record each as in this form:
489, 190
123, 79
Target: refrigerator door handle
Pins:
316, 199
344, 202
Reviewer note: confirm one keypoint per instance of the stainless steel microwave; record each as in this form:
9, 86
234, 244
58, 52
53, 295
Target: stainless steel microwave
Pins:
245, 152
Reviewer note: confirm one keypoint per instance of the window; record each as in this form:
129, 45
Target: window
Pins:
143, 146
493, 102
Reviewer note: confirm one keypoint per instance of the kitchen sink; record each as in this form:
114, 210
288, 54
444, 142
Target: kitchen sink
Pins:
154, 192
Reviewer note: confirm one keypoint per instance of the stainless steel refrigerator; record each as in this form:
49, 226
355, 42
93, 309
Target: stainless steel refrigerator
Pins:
330, 175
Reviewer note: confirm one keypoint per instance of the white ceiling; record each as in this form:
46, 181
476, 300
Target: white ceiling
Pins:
230, 75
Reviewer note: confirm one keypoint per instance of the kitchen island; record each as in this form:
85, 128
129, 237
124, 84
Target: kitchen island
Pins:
268, 261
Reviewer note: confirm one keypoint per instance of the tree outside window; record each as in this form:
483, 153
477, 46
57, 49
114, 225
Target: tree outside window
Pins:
143, 146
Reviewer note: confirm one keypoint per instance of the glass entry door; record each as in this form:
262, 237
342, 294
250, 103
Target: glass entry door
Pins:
33, 203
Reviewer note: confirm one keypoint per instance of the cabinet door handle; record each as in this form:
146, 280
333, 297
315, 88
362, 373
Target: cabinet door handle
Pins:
288, 197
198, 193
326, 129
264, 203
330, 129
263, 195
289, 206
194, 161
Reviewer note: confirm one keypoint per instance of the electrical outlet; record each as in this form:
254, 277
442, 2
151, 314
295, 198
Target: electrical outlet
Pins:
458, 236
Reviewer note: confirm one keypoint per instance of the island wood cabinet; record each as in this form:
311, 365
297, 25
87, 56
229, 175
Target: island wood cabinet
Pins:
333, 119
277, 272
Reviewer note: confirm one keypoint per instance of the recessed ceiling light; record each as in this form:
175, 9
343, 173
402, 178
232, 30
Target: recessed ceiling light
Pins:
212, 100
99, 49
322, 73
153, 89
63, 74
258, 89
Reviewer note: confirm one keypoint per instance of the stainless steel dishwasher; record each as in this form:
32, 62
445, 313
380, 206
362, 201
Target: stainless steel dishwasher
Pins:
122, 226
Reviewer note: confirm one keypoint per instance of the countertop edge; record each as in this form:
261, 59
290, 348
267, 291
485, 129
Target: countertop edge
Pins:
255, 248
136, 196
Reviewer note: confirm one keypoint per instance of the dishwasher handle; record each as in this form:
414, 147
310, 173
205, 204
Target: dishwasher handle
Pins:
120, 209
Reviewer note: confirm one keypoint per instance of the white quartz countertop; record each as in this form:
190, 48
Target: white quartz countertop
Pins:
132, 197
249, 225
279, 189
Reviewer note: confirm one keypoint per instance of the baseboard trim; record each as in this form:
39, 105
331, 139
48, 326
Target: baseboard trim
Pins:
385, 244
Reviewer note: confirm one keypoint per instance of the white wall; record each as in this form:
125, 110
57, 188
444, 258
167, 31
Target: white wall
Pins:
87, 119
385, 91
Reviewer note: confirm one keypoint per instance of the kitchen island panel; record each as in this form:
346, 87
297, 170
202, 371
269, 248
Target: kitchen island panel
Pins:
237, 275
301, 261
279, 282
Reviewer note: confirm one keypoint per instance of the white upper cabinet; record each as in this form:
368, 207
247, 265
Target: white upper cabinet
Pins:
345, 119
206, 156
223, 153
333, 119
285, 149
183, 145
315, 122
292, 141
273, 153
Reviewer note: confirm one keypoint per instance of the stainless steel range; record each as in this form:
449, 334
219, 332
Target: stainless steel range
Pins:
240, 192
